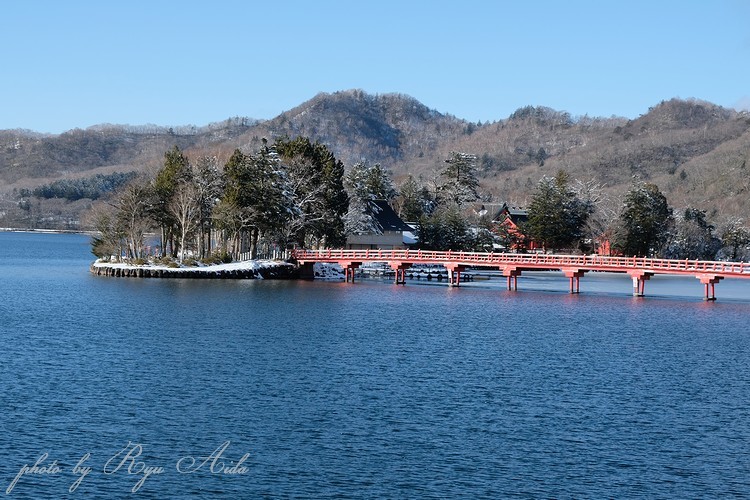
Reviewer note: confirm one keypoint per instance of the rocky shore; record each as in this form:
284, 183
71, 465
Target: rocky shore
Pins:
234, 270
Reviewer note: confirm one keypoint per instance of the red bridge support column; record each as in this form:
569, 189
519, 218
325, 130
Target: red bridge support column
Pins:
639, 282
575, 276
512, 274
454, 273
349, 268
400, 268
709, 280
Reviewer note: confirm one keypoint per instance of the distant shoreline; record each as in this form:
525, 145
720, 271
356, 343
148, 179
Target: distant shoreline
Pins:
44, 231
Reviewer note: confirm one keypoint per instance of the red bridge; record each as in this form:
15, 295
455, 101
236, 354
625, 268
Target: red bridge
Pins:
512, 265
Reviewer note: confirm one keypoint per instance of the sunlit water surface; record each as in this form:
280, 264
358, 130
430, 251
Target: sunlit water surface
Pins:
367, 389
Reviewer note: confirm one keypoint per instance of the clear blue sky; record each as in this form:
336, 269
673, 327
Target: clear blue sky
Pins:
73, 64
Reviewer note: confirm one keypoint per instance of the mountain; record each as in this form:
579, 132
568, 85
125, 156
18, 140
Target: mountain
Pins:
695, 151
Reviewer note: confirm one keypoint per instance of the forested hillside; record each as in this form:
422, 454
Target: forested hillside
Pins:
696, 152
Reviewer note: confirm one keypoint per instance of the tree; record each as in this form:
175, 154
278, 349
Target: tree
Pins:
692, 237
232, 220
604, 210
109, 240
735, 240
364, 184
557, 216
459, 179
132, 218
413, 200
371, 182
255, 191
316, 178
360, 218
209, 185
644, 221
176, 168
186, 210
445, 229
484, 236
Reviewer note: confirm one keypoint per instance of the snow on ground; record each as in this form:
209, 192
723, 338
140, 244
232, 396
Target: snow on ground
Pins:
245, 265
324, 271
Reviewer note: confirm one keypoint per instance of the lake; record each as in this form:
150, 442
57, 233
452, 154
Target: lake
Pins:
252, 388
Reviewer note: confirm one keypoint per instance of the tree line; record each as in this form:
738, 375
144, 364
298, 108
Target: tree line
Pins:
574, 216
294, 192
289, 192
93, 187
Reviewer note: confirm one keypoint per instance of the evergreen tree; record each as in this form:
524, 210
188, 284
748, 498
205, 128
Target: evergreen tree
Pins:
364, 184
556, 215
445, 229
692, 237
254, 194
459, 179
371, 182
314, 177
176, 168
644, 222
414, 200
209, 184
735, 240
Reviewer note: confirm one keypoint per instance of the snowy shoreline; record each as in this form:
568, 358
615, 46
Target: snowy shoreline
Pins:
250, 269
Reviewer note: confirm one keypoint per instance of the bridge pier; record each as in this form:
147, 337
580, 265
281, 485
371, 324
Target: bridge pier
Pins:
575, 276
639, 282
349, 268
454, 273
709, 280
512, 274
307, 271
400, 268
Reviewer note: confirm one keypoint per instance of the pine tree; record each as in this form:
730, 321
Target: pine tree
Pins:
176, 168
692, 237
414, 200
254, 194
556, 215
364, 184
459, 179
314, 180
644, 221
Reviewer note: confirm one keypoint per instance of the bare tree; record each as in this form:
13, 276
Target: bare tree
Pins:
132, 217
186, 210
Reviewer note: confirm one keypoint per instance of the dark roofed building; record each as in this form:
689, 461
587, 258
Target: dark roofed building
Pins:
390, 234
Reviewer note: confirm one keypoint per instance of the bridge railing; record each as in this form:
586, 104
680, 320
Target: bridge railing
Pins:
533, 260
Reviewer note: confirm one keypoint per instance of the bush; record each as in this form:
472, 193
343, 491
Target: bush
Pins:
167, 261
214, 258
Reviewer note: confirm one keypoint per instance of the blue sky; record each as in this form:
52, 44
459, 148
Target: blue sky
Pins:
74, 64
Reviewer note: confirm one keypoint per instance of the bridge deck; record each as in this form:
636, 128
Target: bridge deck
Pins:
530, 262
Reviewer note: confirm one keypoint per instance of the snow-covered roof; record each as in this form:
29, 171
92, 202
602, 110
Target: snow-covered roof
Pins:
410, 238
387, 218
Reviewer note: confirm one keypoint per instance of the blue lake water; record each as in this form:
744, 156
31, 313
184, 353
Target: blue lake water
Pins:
366, 390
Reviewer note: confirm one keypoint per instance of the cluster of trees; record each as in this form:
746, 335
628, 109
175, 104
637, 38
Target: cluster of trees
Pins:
444, 209
561, 217
93, 187
288, 192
